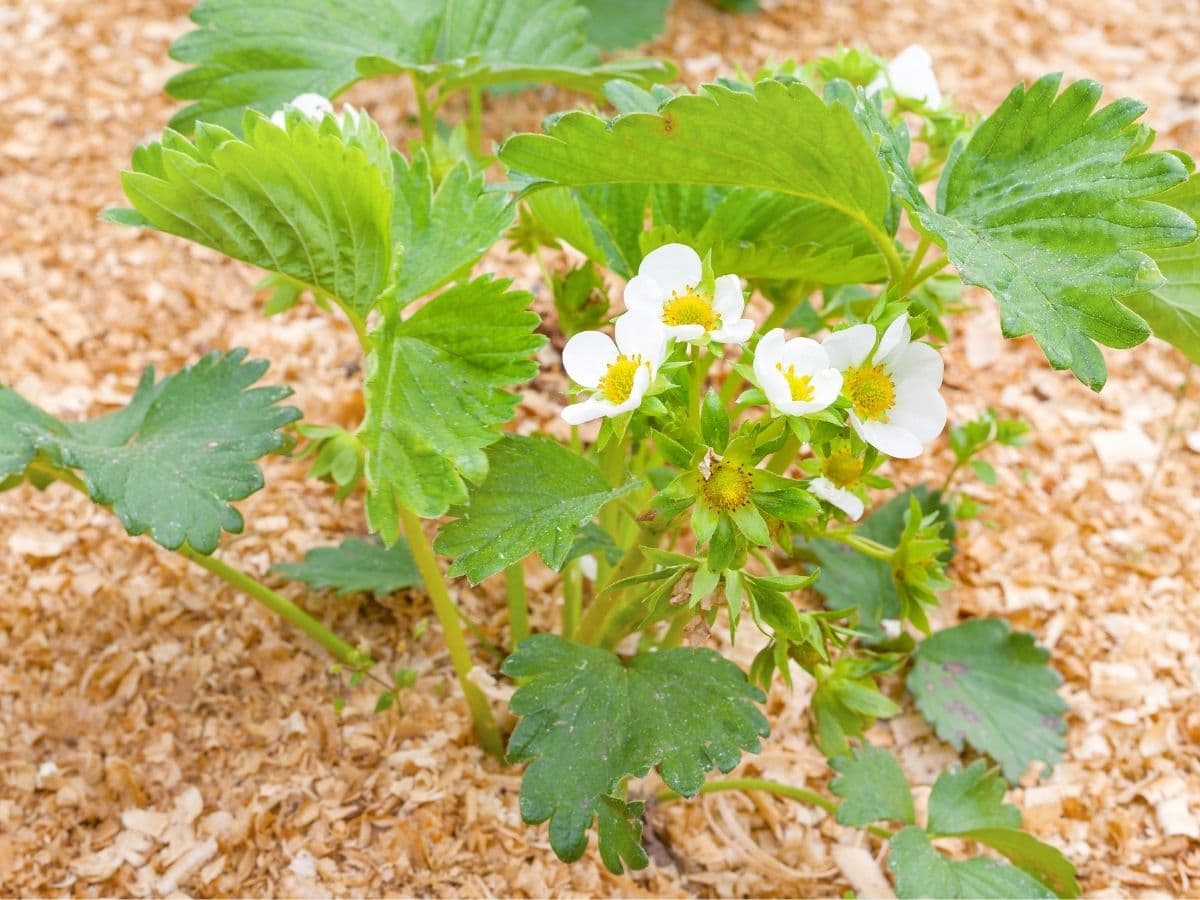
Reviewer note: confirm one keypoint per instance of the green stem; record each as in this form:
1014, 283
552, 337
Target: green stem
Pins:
456, 642
674, 636
426, 115
784, 455
924, 274
865, 546
918, 256
699, 373
518, 603
572, 598
475, 121
771, 787
590, 628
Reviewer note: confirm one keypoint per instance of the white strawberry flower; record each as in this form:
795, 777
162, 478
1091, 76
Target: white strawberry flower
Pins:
312, 106
845, 500
795, 375
668, 287
911, 75
893, 389
841, 470
619, 372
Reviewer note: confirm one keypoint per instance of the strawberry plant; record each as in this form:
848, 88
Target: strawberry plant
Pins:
726, 467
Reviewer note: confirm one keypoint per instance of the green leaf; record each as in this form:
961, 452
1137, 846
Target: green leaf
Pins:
262, 53
872, 787
302, 202
171, 461
921, 871
970, 798
847, 701
1049, 207
537, 495
714, 422
434, 396
355, 566
1045, 863
1172, 310
981, 683
590, 719
625, 23
441, 232
604, 222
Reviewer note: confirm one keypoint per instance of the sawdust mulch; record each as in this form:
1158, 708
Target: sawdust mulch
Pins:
162, 734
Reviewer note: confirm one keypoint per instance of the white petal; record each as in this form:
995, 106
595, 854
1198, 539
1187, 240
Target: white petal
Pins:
586, 411
894, 340
736, 332
587, 357
641, 381
923, 413
849, 347
911, 75
686, 333
676, 267
728, 301
279, 118
887, 438
769, 350
642, 335
826, 384
312, 106
918, 364
845, 500
644, 294
777, 389
588, 566
805, 355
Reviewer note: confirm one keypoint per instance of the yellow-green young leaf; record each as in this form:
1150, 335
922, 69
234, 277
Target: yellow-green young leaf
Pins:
1049, 207
872, 787
922, 871
982, 684
589, 719
355, 566
262, 53
1173, 309
171, 461
435, 393
537, 495
306, 201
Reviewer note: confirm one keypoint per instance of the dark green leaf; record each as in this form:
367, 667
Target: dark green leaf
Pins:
872, 787
355, 565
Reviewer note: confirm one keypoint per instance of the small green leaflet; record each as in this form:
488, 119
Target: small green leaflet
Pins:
1050, 209
921, 871
172, 460
536, 496
262, 53
355, 566
306, 201
435, 392
625, 23
981, 683
872, 787
1172, 310
590, 719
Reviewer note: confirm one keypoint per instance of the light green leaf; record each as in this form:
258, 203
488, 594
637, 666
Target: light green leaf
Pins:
536, 496
921, 871
1172, 310
20, 424
172, 460
982, 684
355, 566
1049, 209
604, 222
1043, 862
970, 798
872, 787
435, 394
590, 719
618, 24
440, 233
301, 202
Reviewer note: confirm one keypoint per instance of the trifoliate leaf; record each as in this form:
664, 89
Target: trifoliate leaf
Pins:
981, 683
441, 232
536, 496
872, 787
355, 566
1049, 209
172, 460
618, 24
435, 392
590, 719
301, 202
1172, 310
262, 53
922, 871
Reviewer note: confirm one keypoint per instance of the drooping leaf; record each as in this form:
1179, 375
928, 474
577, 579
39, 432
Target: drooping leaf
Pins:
872, 787
355, 566
922, 871
625, 23
435, 394
301, 201
262, 53
169, 463
536, 496
982, 684
590, 718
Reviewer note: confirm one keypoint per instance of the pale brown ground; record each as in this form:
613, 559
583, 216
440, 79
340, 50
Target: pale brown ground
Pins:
161, 733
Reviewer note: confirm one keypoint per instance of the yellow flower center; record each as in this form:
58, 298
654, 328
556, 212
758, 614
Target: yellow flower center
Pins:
871, 390
842, 468
692, 308
728, 486
617, 383
800, 385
